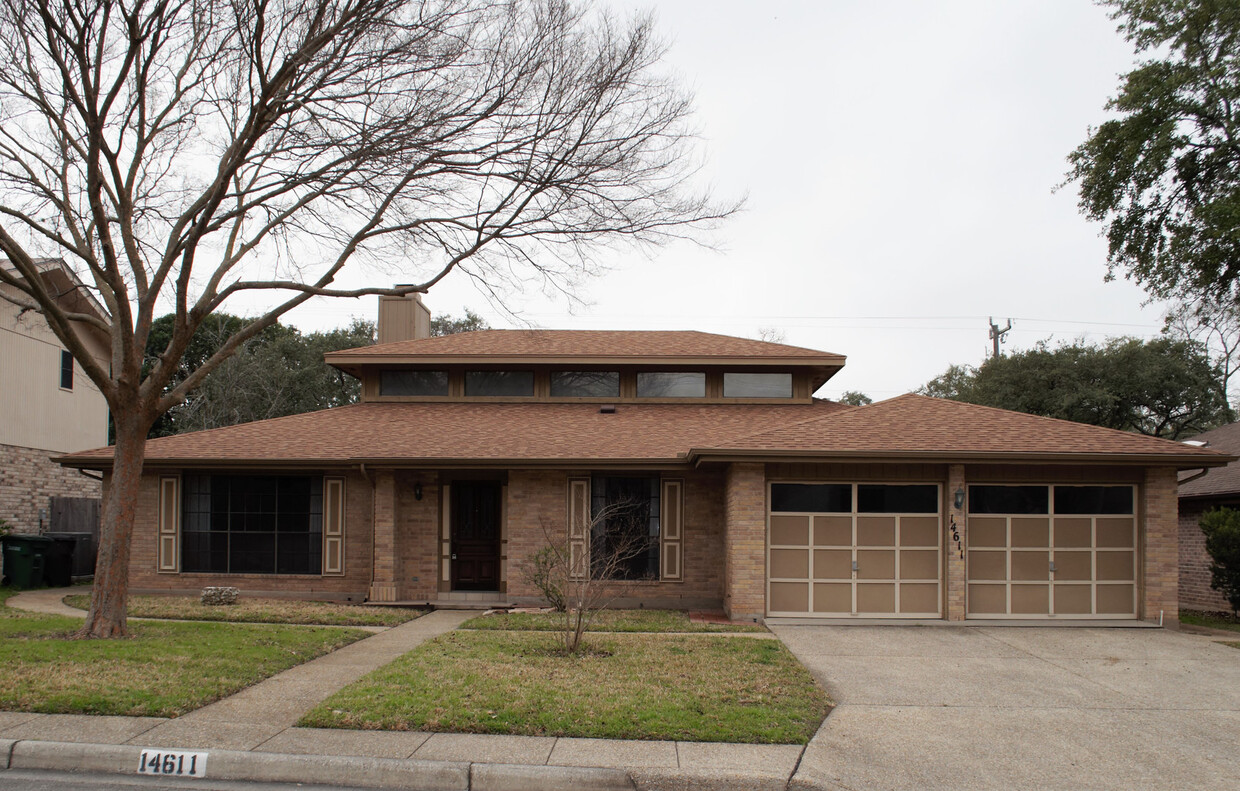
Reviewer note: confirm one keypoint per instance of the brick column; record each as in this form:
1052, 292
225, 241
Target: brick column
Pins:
745, 541
955, 576
383, 585
1160, 558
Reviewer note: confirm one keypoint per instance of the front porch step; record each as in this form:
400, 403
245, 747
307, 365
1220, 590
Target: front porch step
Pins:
472, 600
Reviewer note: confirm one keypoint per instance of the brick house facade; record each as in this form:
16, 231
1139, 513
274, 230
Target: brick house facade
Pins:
1202, 491
469, 453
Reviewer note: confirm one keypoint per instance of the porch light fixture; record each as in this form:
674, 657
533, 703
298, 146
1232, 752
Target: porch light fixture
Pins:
959, 498
417, 491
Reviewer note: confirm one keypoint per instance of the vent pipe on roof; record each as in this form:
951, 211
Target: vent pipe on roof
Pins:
403, 318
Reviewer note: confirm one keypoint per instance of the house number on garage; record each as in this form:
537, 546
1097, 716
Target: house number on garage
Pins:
173, 763
956, 537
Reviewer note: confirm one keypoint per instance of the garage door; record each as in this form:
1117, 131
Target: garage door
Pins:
1043, 551
854, 549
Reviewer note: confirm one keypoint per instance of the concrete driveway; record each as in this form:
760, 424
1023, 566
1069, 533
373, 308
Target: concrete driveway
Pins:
1003, 708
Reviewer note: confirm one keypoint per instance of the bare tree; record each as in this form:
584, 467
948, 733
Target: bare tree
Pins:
182, 155
577, 584
1216, 327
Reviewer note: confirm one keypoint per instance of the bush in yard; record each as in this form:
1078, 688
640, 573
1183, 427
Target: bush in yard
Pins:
1222, 529
539, 570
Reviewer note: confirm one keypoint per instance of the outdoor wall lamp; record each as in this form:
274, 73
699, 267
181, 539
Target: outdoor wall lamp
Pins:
417, 491
959, 498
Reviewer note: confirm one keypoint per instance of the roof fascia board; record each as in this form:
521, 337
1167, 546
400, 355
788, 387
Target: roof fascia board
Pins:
699, 456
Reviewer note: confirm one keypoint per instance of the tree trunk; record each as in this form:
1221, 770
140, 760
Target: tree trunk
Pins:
110, 597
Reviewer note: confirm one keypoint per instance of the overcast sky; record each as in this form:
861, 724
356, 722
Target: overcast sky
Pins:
899, 160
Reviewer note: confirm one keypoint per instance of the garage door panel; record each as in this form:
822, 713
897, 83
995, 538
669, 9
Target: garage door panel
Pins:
876, 564
988, 599
919, 564
789, 596
1031, 532
832, 564
1115, 566
1028, 565
789, 563
1116, 533
1030, 599
987, 565
919, 597
833, 531
790, 530
876, 531
1073, 600
833, 597
919, 531
1069, 551
1073, 565
987, 532
1073, 533
877, 598
1117, 599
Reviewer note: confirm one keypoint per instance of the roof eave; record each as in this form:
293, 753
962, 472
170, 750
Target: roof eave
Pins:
1183, 462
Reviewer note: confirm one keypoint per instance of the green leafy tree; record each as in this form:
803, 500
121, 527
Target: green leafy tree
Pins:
1164, 177
1164, 387
450, 325
855, 398
1222, 529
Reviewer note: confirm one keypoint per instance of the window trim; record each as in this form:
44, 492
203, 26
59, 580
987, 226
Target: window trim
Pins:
66, 370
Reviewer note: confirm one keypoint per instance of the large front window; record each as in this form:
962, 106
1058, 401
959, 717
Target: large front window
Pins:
624, 540
252, 524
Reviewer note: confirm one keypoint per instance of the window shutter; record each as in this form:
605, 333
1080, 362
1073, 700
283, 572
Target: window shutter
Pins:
578, 527
169, 525
333, 526
671, 530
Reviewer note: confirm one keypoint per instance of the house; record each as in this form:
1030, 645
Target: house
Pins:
48, 406
1203, 491
467, 451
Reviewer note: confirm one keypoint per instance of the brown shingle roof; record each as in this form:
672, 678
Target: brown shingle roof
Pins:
1221, 480
507, 433
916, 425
618, 344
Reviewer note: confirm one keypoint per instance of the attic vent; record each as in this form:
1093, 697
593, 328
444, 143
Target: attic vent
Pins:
607, 409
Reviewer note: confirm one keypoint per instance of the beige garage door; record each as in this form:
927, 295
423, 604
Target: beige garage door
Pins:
854, 549
1051, 551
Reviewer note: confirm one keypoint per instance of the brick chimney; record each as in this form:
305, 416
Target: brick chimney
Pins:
403, 318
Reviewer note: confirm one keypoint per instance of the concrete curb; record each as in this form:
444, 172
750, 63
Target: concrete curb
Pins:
425, 775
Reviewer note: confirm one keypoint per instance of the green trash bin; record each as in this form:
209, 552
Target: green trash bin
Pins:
23, 560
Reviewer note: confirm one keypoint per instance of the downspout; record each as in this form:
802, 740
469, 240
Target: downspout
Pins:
362, 468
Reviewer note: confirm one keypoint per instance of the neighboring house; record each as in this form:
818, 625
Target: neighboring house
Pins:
48, 406
1200, 493
468, 451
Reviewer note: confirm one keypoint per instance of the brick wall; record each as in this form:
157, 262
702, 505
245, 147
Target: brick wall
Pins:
1195, 590
28, 478
538, 498
745, 558
353, 586
417, 529
1161, 556
956, 584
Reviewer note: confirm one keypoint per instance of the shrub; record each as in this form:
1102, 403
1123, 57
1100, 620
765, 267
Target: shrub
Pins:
540, 572
1222, 529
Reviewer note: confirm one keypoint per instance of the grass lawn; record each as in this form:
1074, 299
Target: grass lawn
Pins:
162, 670
1213, 620
1233, 645
248, 610
697, 688
606, 621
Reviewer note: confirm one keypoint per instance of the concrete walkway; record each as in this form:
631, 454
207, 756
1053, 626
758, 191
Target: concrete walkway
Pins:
998, 708
48, 601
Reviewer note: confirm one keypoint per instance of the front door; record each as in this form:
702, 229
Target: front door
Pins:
475, 535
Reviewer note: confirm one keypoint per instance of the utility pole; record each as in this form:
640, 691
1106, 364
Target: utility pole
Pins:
996, 334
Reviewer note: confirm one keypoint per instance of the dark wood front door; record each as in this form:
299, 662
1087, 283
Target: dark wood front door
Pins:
475, 535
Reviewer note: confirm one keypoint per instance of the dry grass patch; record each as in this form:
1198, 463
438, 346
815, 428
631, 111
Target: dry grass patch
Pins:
605, 621
247, 610
696, 688
162, 670
1212, 620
